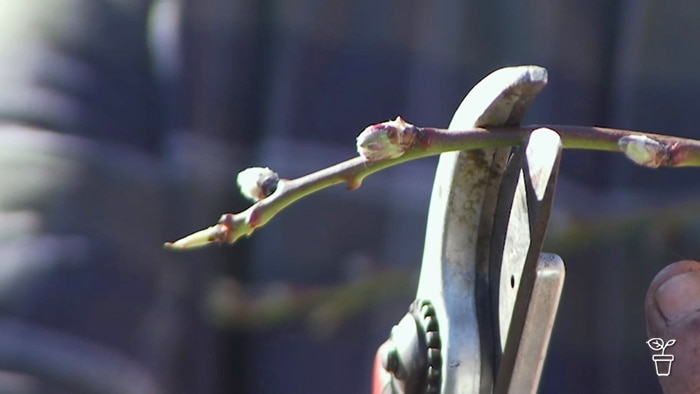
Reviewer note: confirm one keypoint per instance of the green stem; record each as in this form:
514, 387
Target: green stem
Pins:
431, 141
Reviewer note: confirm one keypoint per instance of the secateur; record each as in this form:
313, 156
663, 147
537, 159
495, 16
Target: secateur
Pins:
487, 297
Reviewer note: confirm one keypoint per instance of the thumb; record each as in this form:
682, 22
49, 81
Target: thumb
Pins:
672, 308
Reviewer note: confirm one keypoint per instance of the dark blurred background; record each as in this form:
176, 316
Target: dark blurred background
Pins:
124, 122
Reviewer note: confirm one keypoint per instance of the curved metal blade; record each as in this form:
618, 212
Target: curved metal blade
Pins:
524, 206
455, 268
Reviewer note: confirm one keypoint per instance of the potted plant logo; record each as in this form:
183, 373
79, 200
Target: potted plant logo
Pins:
662, 361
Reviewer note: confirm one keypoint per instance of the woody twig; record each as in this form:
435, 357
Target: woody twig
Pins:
391, 143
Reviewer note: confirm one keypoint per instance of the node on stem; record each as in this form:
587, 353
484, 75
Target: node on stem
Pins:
644, 151
386, 140
257, 183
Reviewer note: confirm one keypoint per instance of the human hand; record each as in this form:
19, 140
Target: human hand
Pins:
672, 310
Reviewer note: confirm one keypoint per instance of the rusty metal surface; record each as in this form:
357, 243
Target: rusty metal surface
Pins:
454, 272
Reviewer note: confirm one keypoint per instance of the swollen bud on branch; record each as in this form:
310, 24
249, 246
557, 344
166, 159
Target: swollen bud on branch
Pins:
256, 183
644, 151
387, 140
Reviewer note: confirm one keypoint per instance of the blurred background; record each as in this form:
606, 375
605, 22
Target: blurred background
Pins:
124, 122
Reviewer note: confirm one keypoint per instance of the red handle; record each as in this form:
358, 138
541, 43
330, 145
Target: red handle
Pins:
382, 381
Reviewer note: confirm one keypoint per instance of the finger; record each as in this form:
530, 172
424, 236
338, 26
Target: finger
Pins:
672, 309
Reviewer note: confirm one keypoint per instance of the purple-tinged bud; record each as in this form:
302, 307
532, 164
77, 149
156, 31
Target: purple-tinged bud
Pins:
387, 140
257, 183
644, 151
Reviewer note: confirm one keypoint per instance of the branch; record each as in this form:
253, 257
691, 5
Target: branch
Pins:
394, 142
323, 308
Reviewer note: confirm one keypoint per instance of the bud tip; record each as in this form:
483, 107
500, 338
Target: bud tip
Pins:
257, 183
644, 150
386, 140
